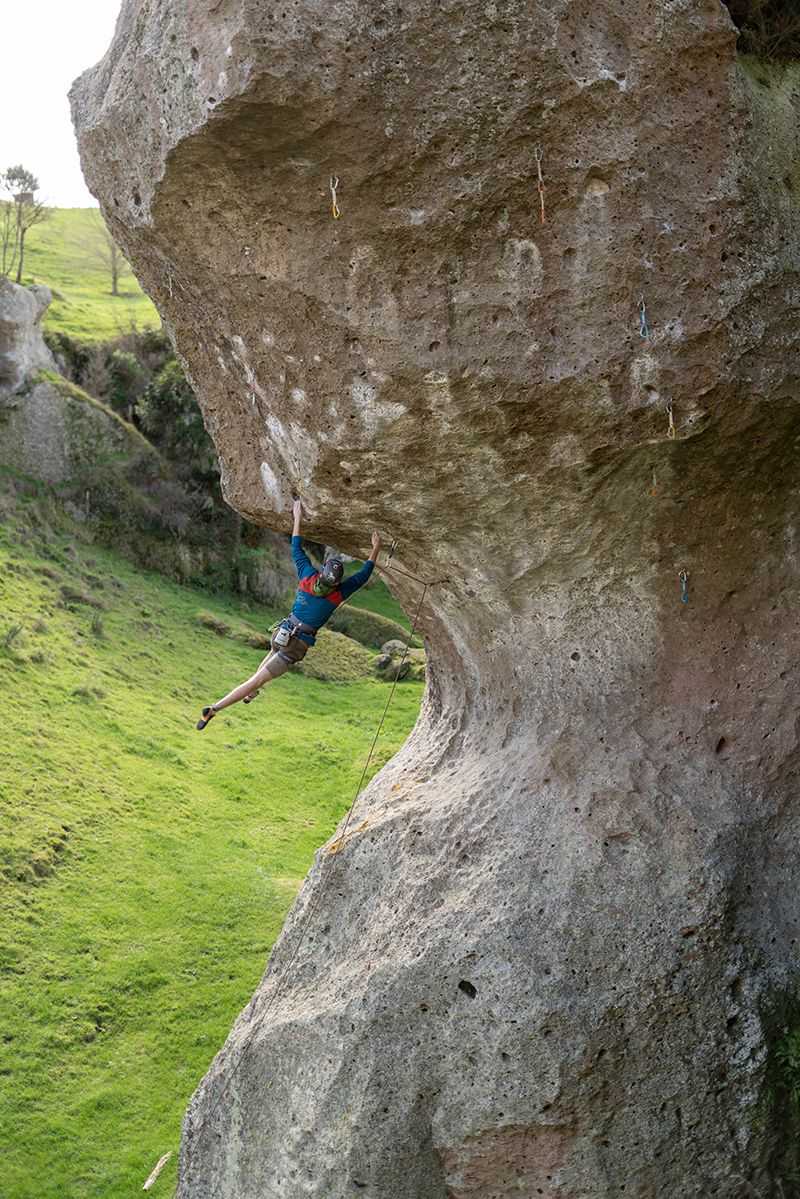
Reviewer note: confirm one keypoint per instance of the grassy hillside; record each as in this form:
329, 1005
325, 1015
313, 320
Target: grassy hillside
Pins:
145, 868
62, 252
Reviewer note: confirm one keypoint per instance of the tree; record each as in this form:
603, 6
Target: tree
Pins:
8, 236
100, 244
25, 210
169, 414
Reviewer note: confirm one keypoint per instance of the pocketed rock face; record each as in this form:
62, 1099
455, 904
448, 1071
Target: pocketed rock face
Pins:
22, 347
542, 960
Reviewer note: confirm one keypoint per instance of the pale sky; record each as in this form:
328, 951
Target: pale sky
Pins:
46, 45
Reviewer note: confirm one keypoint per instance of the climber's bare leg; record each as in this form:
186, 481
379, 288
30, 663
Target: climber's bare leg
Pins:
247, 689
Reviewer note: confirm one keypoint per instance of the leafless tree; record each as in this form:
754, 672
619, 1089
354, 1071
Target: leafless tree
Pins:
100, 245
25, 209
8, 237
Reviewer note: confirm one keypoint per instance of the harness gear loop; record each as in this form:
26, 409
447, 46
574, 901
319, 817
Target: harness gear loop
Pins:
644, 331
537, 154
334, 183
671, 429
683, 576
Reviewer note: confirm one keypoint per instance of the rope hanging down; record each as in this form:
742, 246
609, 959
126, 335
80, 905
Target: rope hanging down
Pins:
327, 873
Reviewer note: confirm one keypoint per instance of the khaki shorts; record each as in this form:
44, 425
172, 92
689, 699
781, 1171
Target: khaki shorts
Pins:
283, 657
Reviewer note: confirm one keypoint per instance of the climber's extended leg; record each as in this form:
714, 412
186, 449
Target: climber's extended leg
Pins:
274, 665
265, 674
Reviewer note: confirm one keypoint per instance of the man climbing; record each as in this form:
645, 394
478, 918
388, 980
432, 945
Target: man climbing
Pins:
318, 596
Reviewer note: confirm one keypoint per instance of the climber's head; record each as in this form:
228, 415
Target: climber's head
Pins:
329, 577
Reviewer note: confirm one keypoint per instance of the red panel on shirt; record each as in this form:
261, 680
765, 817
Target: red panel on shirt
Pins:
307, 585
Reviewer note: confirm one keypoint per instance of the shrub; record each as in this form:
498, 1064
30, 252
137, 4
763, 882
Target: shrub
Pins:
209, 621
768, 29
12, 634
782, 1090
170, 416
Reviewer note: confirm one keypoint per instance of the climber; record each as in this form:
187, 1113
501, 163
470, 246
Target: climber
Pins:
318, 596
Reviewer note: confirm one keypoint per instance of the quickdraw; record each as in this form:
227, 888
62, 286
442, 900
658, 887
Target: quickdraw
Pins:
334, 183
644, 331
537, 153
671, 426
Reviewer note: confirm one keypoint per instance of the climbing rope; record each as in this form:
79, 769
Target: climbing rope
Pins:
326, 877
334, 183
537, 153
644, 331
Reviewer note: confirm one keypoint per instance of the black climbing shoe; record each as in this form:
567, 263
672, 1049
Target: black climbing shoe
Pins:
208, 714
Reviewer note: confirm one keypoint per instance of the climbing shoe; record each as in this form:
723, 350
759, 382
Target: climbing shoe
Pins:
208, 714
248, 699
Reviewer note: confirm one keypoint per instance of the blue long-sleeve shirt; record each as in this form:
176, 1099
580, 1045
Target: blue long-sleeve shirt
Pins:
313, 609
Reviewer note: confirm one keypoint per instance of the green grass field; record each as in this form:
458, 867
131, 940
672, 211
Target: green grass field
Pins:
145, 868
61, 252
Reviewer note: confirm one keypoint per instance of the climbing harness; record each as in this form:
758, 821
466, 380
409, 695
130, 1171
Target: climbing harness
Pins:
327, 872
671, 427
537, 153
334, 183
683, 576
644, 331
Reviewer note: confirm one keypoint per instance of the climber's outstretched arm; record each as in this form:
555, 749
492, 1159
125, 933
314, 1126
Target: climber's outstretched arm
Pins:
304, 566
349, 586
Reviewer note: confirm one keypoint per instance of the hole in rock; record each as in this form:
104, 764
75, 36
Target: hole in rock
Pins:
468, 988
596, 185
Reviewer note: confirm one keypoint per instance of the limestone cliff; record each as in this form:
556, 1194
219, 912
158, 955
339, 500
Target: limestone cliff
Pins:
49, 428
545, 963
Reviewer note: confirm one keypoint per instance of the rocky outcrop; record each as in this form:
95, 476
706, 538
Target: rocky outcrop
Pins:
544, 959
49, 428
22, 347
